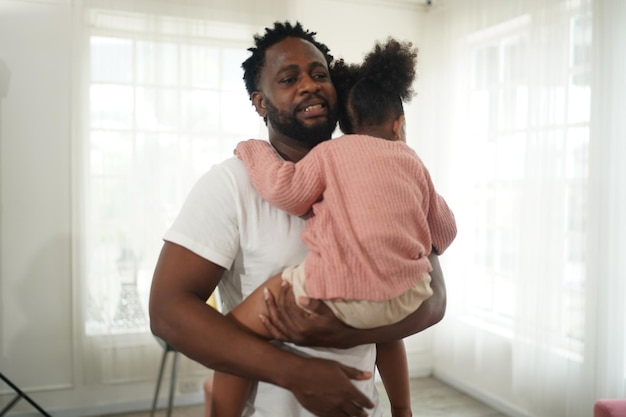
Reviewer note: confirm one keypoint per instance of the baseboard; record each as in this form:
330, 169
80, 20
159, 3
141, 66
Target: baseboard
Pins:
127, 407
496, 403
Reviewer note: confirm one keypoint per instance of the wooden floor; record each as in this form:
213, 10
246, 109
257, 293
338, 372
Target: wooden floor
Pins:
429, 398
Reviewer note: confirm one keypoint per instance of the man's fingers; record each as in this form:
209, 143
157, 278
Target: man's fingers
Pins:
325, 389
281, 311
354, 409
355, 374
274, 333
272, 318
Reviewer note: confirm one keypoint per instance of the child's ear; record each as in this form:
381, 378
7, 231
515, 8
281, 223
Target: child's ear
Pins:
398, 128
259, 103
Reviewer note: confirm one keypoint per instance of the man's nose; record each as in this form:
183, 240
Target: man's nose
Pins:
309, 84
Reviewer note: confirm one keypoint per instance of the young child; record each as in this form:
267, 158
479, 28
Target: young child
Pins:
374, 217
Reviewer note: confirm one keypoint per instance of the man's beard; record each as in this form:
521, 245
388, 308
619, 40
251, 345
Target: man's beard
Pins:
289, 125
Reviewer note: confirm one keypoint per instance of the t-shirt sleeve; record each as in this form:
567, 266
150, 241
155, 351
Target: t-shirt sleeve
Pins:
207, 222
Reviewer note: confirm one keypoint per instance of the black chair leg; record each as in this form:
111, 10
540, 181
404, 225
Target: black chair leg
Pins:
19, 396
167, 349
158, 386
170, 404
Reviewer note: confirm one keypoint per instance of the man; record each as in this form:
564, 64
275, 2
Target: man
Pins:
227, 235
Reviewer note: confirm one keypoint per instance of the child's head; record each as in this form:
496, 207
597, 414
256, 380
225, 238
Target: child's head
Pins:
371, 94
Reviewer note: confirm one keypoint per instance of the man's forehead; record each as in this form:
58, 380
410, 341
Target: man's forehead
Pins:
293, 52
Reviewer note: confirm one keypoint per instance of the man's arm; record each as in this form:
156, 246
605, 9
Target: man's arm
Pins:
179, 314
287, 321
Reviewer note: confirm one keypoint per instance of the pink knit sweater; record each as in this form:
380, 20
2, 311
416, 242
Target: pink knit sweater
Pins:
375, 213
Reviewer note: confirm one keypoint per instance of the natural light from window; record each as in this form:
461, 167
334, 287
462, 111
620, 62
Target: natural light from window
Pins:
509, 136
161, 113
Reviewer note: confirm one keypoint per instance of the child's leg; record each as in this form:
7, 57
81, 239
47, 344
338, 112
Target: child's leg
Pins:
230, 392
394, 371
229, 395
208, 395
247, 313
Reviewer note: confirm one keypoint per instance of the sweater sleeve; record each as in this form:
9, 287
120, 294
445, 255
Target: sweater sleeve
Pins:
440, 219
292, 187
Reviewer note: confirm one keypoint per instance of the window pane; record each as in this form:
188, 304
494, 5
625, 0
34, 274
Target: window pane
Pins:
200, 66
111, 106
111, 153
111, 60
579, 101
157, 63
157, 109
236, 120
231, 68
201, 110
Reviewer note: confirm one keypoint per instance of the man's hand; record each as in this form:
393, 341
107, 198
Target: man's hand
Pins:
324, 388
288, 322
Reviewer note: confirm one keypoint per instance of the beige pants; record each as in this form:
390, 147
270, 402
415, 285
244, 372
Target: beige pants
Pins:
363, 314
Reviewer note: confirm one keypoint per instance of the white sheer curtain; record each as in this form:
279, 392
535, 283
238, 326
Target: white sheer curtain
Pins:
161, 98
526, 95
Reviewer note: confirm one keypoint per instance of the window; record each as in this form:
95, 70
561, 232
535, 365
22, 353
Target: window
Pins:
532, 128
166, 101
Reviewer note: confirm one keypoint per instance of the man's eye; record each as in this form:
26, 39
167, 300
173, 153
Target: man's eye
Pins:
287, 80
320, 76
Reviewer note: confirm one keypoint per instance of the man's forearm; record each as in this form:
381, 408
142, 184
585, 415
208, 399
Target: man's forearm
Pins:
178, 314
193, 329
319, 385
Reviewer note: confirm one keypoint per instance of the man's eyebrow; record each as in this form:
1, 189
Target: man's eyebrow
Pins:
316, 64
294, 67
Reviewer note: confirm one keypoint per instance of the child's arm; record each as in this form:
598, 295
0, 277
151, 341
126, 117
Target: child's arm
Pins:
394, 371
440, 219
289, 186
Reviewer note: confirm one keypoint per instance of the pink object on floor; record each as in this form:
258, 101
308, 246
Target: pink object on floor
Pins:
610, 408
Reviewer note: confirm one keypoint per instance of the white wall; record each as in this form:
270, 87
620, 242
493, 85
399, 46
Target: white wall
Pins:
38, 347
36, 288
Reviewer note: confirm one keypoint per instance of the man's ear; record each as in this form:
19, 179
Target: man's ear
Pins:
398, 129
258, 100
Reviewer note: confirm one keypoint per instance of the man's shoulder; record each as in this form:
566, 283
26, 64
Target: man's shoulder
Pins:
229, 171
232, 164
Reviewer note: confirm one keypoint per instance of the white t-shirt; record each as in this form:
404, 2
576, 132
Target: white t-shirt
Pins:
225, 221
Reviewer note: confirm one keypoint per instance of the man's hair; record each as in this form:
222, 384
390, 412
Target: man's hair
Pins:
254, 64
373, 91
